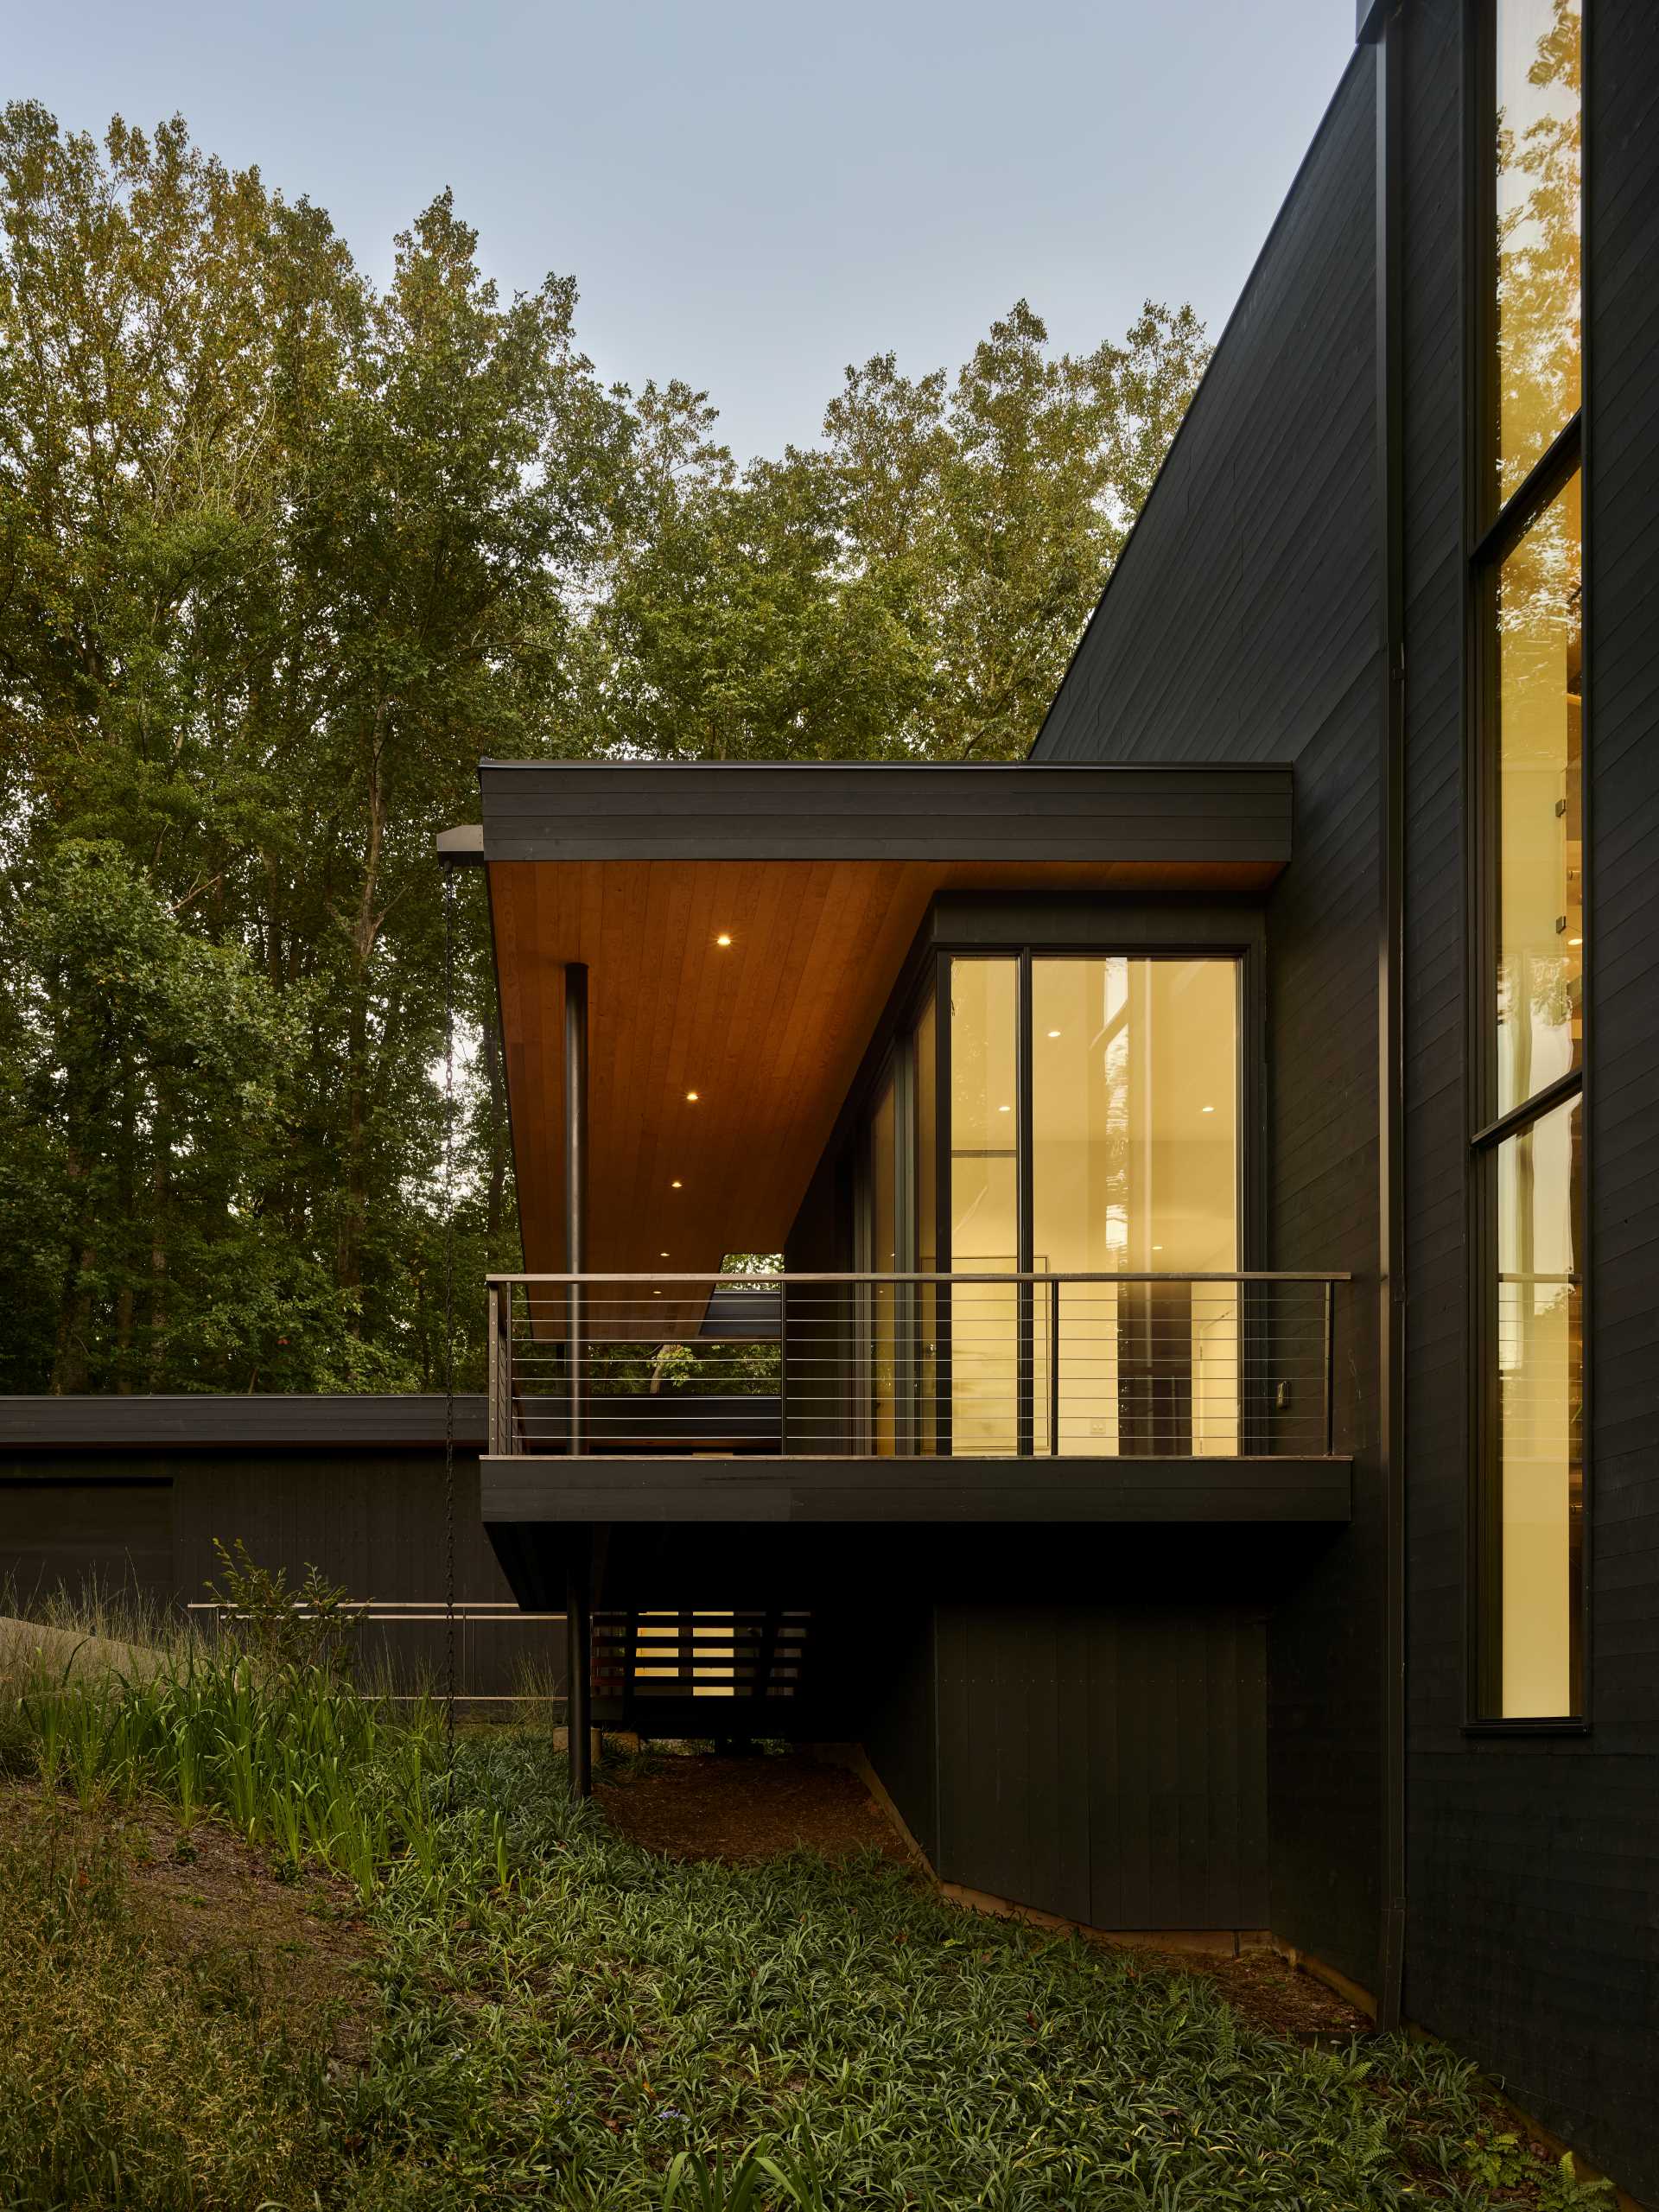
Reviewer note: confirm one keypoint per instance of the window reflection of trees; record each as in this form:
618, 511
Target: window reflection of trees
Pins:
1537, 229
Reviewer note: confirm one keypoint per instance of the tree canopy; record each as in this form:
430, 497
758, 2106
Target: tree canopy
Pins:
281, 555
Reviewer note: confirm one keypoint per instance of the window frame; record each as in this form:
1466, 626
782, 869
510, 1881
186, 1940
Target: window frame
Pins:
1490, 535
1035, 925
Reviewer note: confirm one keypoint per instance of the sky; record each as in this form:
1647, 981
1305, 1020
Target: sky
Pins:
750, 196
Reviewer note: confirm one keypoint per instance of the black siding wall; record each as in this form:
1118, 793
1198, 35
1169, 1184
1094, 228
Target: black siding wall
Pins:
1242, 623
144, 1523
1533, 1935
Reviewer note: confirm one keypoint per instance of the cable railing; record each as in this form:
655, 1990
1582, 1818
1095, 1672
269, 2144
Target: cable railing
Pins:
965, 1365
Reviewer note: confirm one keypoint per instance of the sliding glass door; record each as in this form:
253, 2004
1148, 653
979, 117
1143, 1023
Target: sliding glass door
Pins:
1073, 1142
1134, 1175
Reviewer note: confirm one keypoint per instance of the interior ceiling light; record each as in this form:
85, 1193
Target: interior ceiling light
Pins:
690, 1097
1053, 1032
1206, 1110
676, 1184
723, 938
1005, 1110
662, 1255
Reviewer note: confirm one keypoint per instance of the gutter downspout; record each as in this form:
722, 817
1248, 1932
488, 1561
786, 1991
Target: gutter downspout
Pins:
1383, 23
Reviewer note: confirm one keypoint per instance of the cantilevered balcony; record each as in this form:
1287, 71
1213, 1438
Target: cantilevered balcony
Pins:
984, 1396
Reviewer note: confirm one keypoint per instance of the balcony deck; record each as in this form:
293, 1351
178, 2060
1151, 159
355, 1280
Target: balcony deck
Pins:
860, 1399
525, 1490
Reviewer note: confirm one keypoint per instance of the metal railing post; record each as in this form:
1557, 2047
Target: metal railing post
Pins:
1054, 1364
1330, 1369
492, 1297
783, 1365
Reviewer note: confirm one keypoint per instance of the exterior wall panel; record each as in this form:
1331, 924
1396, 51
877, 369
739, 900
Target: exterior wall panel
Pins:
1532, 1940
1242, 623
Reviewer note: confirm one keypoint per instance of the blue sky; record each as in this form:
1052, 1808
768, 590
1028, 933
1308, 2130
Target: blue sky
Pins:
750, 196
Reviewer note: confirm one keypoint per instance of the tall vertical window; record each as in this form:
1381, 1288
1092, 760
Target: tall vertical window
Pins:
1529, 1140
1134, 1172
985, 1144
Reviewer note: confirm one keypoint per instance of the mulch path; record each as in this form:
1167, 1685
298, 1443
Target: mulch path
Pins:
697, 1806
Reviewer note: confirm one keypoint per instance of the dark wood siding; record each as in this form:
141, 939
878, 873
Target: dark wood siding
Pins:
85, 1531
1531, 1939
1105, 1762
1243, 623
1236, 816
142, 1523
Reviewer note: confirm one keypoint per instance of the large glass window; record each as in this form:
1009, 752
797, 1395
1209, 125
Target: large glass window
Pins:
1529, 767
884, 1261
926, 1308
1536, 305
1538, 1327
1135, 1172
1538, 852
985, 1236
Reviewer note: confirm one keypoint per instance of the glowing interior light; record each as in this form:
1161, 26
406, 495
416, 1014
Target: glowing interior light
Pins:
1206, 1110
1053, 1032
722, 938
1005, 1110
676, 1184
690, 1097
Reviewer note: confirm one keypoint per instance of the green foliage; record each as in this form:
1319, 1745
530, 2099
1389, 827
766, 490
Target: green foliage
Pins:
282, 556
288, 1634
567, 2020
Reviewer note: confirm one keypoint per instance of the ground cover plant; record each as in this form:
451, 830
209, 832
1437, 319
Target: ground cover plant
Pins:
493, 1998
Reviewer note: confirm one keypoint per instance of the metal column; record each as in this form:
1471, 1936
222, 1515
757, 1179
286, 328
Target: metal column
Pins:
578, 1639
578, 1643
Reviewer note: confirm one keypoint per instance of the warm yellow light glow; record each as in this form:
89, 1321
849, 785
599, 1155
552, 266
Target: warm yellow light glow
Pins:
1207, 1109
1053, 1032
662, 1255
690, 1097
1005, 1110
676, 1184
722, 938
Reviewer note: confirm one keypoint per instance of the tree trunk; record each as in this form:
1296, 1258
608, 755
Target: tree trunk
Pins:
498, 1180
364, 931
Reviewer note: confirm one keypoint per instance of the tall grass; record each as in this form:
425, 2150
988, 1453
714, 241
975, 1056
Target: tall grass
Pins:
302, 1763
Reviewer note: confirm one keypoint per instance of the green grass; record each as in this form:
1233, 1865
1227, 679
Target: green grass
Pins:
560, 2019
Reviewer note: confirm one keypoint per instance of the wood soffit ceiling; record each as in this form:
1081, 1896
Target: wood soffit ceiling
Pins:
769, 1030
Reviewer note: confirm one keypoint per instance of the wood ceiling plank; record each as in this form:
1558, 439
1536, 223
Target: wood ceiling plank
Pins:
770, 1030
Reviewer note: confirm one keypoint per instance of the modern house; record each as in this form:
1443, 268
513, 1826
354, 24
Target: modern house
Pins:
1127, 1284
1201, 1438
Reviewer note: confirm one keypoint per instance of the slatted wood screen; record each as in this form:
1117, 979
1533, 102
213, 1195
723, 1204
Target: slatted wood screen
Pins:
751, 1663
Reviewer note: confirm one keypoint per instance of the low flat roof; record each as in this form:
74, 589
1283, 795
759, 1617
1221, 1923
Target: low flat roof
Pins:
743, 926
195, 1419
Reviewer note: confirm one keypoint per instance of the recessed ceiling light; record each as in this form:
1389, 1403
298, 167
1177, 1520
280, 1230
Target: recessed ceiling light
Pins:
655, 1293
662, 1255
1005, 1110
690, 1097
1053, 1032
1157, 1247
676, 1184
723, 938
1575, 940
1206, 1110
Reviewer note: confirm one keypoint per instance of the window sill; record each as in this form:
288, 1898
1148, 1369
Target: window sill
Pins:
1498, 1730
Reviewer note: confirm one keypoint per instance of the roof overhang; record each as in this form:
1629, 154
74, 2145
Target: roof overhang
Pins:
820, 876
